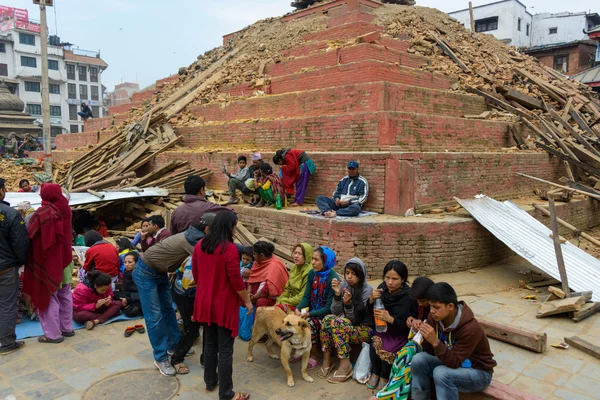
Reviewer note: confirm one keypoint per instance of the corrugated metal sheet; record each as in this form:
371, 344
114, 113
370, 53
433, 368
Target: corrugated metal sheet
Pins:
78, 199
530, 239
588, 76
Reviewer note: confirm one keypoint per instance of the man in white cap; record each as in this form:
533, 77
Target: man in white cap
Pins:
24, 208
254, 170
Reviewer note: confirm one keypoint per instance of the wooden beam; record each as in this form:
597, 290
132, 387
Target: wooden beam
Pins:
557, 292
574, 133
519, 337
587, 310
527, 101
448, 51
567, 225
498, 102
472, 18
104, 183
546, 282
593, 196
566, 157
558, 249
560, 306
583, 345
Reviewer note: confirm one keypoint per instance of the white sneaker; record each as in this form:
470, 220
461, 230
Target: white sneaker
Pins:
165, 368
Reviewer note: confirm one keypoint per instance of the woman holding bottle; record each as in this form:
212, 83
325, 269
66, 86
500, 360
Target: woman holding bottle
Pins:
390, 305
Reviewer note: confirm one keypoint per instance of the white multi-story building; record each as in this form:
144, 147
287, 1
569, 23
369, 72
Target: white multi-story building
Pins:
74, 75
509, 21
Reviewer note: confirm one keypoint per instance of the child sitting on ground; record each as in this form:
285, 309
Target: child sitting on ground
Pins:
457, 353
129, 295
246, 262
93, 300
269, 186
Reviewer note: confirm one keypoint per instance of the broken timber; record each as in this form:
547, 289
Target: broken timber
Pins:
519, 337
587, 310
583, 345
560, 306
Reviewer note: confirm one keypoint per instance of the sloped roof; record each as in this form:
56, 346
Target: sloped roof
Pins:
591, 75
69, 56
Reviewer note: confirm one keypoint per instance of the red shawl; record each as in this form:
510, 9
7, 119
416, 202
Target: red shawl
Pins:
272, 271
50, 236
290, 172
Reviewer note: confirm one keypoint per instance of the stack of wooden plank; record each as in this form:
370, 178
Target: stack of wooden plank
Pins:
579, 305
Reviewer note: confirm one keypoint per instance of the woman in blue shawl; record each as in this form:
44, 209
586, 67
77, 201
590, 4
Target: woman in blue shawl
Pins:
318, 297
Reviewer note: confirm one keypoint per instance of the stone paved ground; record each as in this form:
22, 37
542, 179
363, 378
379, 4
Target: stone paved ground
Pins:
64, 371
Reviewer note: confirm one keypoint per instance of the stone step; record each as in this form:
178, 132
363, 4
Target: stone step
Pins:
372, 131
400, 44
377, 96
358, 72
345, 55
343, 32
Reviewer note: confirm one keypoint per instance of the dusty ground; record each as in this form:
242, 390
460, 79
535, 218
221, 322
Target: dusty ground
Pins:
66, 370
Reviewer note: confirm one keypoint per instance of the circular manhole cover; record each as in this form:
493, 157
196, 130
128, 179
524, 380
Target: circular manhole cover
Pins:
139, 384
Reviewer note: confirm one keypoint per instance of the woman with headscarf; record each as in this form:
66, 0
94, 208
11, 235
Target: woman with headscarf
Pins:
47, 278
296, 285
318, 297
296, 169
101, 255
268, 275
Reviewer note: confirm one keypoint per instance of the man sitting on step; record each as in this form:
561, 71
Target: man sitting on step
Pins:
349, 196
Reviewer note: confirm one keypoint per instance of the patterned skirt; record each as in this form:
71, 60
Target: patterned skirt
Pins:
398, 387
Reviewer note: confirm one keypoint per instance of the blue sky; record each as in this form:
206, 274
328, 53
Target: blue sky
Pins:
145, 40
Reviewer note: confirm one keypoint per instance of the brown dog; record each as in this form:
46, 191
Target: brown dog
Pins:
291, 332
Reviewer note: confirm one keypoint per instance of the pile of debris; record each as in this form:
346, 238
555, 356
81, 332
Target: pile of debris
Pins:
561, 115
13, 170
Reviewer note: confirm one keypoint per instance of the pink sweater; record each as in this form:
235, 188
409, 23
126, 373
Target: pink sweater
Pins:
85, 298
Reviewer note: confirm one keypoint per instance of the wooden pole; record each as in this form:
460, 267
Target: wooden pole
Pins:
593, 196
104, 183
567, 225
559, 257
472, 18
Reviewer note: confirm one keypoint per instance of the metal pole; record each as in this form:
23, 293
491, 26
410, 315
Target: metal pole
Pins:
559, 257
47, 132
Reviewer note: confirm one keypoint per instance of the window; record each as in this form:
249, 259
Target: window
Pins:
72, 91
83, 94
70, 71
3, 69
519, 24
53, 64
94, 90
32, 86
487, 24
73, 112
552, 31
28, 62
26, 38
55, 130
82, 73
2, 47
74, 128
561, 63
55, 111
34, 109
527, 29
93, 74
96, 111
54, 88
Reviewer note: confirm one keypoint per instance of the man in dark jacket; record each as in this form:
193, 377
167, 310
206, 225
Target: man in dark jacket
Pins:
85, 112
13, 254
457, 355
349, 196
194, 205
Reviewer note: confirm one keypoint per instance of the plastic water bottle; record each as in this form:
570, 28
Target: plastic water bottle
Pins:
278, 201
380, 325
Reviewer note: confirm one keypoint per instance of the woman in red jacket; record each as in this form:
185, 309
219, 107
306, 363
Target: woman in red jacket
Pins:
219, 294
296, 169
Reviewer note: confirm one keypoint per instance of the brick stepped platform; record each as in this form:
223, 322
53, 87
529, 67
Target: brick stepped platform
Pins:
368, 101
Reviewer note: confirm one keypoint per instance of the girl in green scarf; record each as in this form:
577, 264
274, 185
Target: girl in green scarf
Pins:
294, 289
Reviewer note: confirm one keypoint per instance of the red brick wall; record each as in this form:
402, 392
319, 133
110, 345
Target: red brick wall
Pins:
345, 55
346, 31
359, 72
139, 97
440, 176
94, 124
73, 140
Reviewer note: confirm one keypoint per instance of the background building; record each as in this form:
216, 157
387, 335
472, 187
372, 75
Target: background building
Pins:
122, 93
558, 40
74, 75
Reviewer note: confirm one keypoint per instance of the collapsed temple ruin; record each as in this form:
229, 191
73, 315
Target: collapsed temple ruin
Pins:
360, 80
